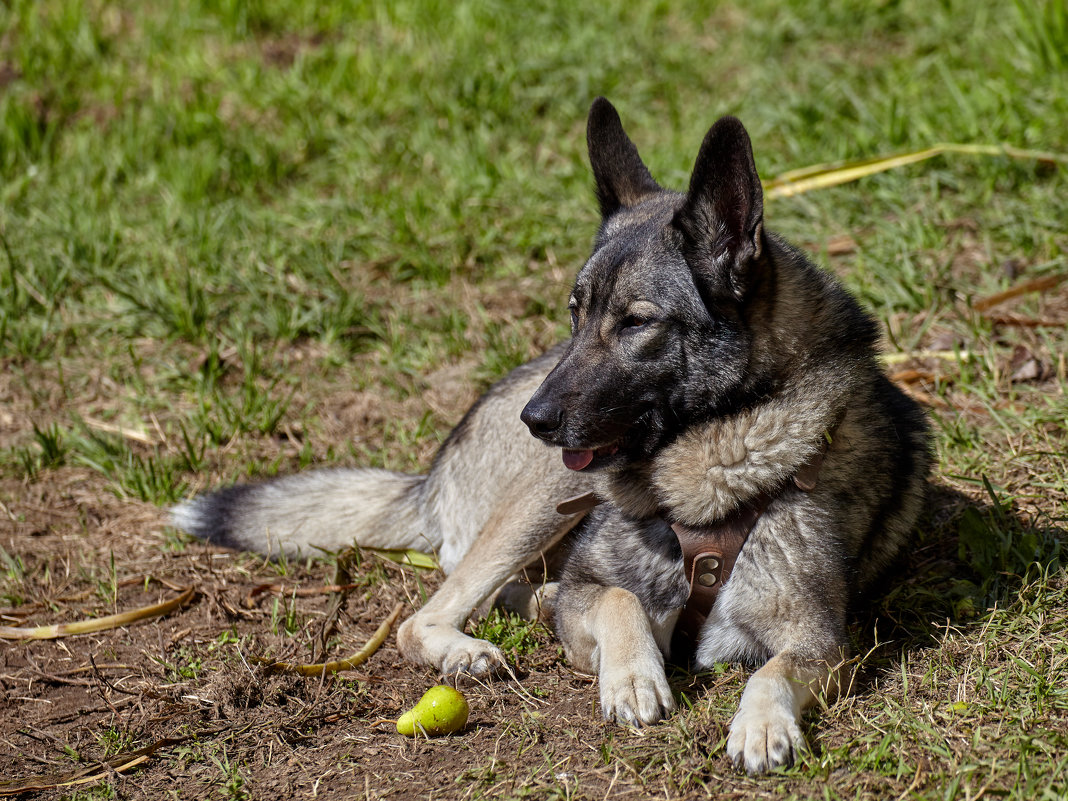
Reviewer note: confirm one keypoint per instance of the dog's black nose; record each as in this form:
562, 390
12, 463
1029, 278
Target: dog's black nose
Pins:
542, 418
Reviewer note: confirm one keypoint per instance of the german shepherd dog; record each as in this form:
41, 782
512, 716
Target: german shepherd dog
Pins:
716, 381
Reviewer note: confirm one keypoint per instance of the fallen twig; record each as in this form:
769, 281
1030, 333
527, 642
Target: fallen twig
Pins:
1040, 284
126, 433
299, 592
342, 578
346, 663
97, 624
823, 176
118, 764
907, 356
912, 376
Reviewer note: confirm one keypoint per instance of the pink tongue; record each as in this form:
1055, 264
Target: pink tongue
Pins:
576, 460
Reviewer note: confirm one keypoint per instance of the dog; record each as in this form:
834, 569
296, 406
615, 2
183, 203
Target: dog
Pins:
728, 463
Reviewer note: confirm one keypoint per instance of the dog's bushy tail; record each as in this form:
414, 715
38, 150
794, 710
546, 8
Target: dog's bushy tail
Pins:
305, 513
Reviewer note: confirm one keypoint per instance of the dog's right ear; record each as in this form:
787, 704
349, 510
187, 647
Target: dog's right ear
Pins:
622, 178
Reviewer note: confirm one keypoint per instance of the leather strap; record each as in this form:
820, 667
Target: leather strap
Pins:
708, 554
578, 503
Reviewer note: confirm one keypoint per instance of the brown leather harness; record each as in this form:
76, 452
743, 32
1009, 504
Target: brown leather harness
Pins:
709, 552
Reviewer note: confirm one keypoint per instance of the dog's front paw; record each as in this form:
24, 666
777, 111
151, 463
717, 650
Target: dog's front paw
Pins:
437, 643
473, 659
636, 694
765, 733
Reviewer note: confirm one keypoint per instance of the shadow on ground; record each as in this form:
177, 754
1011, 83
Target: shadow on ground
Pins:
967, 558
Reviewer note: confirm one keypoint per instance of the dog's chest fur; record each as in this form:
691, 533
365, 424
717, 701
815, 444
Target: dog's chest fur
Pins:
712, 468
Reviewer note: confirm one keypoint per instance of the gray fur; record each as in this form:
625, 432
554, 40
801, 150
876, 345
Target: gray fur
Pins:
310, 512
481, 508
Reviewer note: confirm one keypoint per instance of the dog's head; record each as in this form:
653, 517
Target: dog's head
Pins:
659, 312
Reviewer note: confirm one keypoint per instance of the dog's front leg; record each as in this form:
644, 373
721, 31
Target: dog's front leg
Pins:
513, 537
766, 733
606, 631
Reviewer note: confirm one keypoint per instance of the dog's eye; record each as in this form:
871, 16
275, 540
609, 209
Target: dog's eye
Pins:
631, 323
574, 317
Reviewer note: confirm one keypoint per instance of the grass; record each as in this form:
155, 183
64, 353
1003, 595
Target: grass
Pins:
241, 238
510, 632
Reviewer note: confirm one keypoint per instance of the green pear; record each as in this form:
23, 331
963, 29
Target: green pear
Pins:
441, 710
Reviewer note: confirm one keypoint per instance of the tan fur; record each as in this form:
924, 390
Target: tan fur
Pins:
765, 732
308, 513
486, 510
708, 471
616, 640
776, 359
740, 358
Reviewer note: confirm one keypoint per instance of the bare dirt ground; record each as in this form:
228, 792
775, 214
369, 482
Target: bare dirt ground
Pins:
218, 725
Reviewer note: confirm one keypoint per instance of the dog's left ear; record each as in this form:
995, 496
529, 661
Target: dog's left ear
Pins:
722, 219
